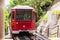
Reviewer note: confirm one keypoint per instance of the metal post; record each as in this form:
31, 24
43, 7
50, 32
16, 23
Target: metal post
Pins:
57, 31
48, 32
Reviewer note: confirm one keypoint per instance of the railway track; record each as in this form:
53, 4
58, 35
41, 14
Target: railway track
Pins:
22, 38
35, 37
26, 36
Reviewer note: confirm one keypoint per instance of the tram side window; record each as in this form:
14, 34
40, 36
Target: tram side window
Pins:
12, 15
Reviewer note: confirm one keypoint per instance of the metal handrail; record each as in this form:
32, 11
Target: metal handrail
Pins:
40, 36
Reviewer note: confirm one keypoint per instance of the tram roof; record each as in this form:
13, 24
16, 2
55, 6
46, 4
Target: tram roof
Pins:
22, 7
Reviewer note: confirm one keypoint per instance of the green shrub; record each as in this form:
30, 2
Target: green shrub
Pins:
37, 24
53, 36
6, 14
56, 12
44, 18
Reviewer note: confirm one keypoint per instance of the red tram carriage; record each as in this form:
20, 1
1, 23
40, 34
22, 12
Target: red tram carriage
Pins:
22, 20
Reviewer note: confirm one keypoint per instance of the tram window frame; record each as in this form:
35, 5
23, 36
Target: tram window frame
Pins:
12, 13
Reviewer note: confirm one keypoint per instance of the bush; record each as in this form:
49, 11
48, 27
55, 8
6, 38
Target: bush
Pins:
37, 24
56, 12
6, 14
44, 18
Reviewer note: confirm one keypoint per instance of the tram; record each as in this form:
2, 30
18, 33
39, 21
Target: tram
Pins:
22, 21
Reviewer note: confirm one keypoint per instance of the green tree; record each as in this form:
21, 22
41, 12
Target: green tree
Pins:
41, 6
6, 14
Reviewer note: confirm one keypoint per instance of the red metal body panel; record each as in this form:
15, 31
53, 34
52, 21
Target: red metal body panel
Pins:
23, 25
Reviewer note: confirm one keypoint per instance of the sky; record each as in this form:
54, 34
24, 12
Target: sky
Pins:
6, 2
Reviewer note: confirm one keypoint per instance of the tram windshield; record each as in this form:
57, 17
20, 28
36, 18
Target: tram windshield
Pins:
25, 14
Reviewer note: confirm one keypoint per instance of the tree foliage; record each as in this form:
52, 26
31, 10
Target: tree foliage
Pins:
56, 12
6, 19
44, 18
39, 5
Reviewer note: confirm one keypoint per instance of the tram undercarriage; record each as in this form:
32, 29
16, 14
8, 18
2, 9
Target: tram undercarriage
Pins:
23, 36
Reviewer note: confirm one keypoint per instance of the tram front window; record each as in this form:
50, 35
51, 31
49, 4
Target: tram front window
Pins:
23, 15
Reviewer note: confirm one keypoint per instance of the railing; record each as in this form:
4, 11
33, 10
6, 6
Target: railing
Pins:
48, 31
40, 36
